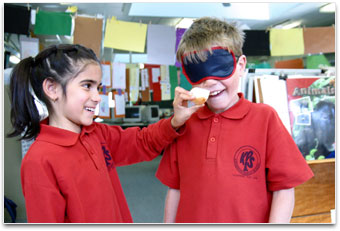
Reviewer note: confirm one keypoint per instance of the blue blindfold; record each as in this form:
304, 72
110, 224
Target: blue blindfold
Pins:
221, 64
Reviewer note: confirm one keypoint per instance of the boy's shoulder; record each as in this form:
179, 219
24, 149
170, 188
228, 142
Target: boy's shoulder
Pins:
264, 108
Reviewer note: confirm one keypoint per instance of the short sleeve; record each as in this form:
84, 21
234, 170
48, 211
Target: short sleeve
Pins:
286, 167
168, 172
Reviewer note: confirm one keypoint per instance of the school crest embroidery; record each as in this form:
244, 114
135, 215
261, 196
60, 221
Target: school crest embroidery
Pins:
107, 156
247, 160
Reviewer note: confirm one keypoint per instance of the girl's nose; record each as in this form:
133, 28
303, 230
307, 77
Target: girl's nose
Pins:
96, 96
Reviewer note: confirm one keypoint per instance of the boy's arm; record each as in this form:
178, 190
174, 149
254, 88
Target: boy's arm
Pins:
171, 204
282, 206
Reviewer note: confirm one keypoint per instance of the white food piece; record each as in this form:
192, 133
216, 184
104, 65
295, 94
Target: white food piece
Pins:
201, 95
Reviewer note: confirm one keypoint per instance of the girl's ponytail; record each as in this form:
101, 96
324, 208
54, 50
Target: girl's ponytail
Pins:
25, 117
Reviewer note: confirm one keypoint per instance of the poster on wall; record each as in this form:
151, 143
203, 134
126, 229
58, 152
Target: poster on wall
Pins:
104, 108
119, 109
28, 47
119, 75
106, 77
311, 103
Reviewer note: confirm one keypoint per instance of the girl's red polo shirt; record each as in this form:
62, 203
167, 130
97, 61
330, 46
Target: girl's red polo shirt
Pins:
227, 165
70, 177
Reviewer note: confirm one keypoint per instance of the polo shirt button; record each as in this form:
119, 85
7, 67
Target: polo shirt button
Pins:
216, 120
212, 139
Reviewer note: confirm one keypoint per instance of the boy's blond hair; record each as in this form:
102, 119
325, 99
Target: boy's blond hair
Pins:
207, 32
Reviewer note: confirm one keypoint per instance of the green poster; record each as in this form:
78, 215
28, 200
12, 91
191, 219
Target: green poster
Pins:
314, 61
173, 80
53, 23
184, 83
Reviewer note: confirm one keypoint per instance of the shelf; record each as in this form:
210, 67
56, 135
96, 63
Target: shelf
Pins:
315, 198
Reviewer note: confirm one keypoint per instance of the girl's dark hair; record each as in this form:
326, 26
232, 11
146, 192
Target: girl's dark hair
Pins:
58, 62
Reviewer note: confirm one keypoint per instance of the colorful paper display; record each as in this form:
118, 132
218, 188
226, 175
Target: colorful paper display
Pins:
179, 33
173, 80
286, 42
161, 42
122, 35
53, 23
88, 32
291, 63
319, 39
16, 19
316, 62
256, 43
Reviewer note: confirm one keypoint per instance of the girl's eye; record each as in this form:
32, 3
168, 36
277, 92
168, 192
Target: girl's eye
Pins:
87, 85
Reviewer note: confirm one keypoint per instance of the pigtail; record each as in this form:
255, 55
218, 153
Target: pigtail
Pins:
25, 117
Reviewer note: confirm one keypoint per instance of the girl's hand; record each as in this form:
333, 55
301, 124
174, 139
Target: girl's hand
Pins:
181, 110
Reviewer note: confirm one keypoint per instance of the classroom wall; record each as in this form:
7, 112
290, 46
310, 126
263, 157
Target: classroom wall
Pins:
255, 61
12, 163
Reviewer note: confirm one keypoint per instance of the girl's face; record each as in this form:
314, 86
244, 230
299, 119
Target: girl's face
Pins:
223, 93
82, 96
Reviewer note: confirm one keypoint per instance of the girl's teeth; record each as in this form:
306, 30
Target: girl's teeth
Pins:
89, 109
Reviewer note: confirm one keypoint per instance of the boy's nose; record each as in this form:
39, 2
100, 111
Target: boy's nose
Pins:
207, 83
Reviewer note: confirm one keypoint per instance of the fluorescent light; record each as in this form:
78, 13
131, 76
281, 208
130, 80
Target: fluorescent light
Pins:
329, 8
248, 10
291, 25
185, 23
14, 59
48, 5
288, 24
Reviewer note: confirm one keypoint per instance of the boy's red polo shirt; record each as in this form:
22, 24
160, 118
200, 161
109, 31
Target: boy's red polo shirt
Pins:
70, 177
227, 165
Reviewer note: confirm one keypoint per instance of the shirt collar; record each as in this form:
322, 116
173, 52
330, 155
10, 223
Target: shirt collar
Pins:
60, 136
237, 111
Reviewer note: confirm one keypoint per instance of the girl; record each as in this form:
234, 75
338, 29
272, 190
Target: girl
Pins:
69, 172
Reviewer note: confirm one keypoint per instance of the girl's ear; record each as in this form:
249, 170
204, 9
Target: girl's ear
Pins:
51, 89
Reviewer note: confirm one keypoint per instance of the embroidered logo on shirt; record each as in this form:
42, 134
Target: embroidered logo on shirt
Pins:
107, 156
247, 160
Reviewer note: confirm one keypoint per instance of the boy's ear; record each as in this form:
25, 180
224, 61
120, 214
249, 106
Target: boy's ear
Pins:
51, 89
242, 63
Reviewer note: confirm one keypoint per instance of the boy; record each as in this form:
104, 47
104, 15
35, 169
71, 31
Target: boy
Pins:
236, 163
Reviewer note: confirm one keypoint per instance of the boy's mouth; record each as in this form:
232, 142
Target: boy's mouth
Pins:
215, 93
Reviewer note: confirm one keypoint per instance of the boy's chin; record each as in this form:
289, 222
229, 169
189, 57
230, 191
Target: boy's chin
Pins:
216, 109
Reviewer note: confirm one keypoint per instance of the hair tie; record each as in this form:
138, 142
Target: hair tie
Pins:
40, 105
